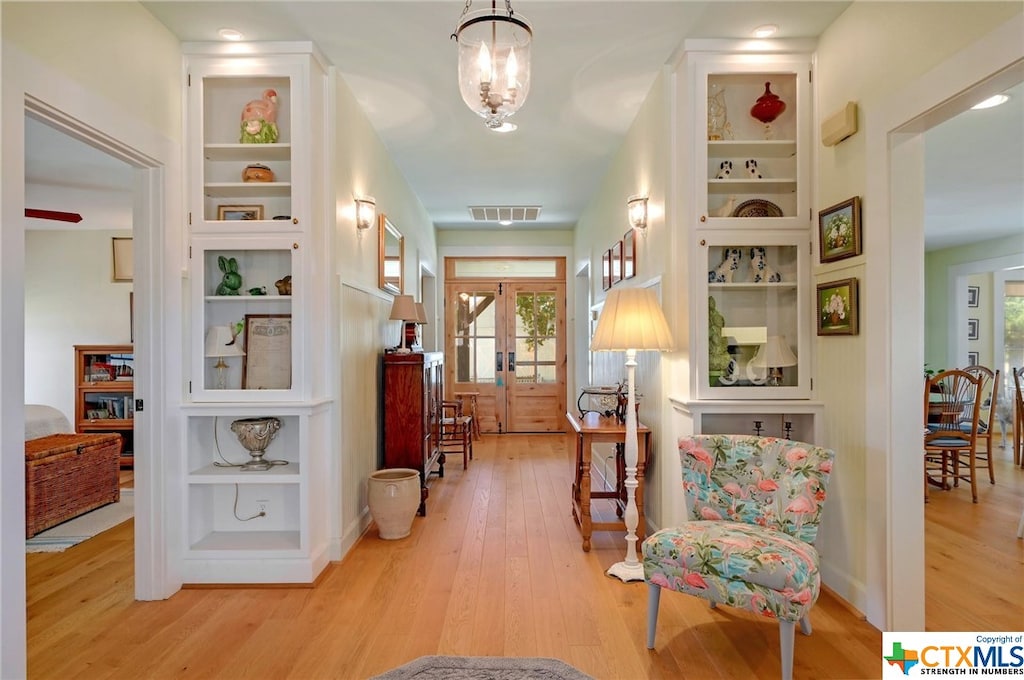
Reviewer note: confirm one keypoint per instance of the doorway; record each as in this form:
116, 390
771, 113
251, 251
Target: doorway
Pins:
505, 341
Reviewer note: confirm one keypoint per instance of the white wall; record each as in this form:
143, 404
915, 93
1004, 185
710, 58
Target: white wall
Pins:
870, 54
364, 168
70, 300
639, 167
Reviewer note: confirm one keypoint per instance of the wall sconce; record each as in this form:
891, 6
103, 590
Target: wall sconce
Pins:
366, 213
637, 209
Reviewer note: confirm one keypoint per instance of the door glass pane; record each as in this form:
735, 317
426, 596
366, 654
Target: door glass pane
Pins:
1013, 326
525, 373
546, 374
506, 269
474, 337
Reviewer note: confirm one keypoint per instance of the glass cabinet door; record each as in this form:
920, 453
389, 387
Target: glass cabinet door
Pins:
244, 157
754, 310
247, 319
752, 144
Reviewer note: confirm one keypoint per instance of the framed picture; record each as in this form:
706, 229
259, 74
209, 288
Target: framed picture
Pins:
616, 262
972, 329
124, 266
629, 254
972, 358
268, 352
606, 266
839, 231
837, 308
240, 212
973, 292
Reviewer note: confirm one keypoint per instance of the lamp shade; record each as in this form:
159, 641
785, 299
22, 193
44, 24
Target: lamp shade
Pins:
775, 353
221, 342
421, 313
403, 309
631, 319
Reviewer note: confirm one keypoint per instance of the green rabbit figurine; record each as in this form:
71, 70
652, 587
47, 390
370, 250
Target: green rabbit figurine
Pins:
232, 279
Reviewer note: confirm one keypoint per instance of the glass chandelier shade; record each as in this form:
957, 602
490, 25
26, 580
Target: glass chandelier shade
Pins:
494, 62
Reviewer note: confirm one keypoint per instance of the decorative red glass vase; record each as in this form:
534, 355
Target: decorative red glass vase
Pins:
768, 106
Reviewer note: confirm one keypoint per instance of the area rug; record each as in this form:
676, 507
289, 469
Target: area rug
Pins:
84, 527
484, 668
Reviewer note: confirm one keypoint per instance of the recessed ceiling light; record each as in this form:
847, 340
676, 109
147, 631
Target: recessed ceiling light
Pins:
505, 223
766, 31
505, 127
995, 100
230, 34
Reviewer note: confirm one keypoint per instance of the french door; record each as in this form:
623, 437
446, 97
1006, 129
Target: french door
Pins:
505, 341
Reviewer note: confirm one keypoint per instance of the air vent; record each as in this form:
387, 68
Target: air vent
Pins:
504, 213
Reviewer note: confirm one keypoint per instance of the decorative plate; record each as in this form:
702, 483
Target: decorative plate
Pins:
757, 208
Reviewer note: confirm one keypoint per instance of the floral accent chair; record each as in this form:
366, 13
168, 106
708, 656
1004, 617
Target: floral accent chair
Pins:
756, 504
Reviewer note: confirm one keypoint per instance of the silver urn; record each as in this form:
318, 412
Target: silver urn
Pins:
255, 434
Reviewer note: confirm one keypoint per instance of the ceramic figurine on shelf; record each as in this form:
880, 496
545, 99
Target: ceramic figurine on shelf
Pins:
260, 290
730, 263
259, 120
232, 280
760, 271
284, 285
718, 347
724, 170
752, 171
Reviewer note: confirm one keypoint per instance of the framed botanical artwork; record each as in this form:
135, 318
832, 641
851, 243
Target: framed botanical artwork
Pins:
972, 329
240, 212
606, 269
268, 352
972, 358
616, 262
839, 231
837, 308
973, 292
124, 266
629, 254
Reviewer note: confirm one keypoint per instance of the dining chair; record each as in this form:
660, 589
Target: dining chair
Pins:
986, 418
1018, 419
456, 431
952, 398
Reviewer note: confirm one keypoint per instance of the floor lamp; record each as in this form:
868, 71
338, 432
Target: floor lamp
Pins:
631, 320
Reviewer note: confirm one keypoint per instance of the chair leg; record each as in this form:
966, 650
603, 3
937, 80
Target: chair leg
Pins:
786, 633
805, 624
653, 600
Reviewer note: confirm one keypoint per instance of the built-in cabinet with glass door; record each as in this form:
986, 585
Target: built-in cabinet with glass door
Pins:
750, 244
255, 415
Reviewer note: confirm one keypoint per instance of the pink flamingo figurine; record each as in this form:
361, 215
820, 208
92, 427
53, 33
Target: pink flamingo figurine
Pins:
259, 120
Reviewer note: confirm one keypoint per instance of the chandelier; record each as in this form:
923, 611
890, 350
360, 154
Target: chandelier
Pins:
494, 62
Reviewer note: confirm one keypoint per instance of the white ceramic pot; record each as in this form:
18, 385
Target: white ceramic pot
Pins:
394, 498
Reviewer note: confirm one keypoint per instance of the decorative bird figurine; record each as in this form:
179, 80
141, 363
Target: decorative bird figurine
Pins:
259, 120
726, 209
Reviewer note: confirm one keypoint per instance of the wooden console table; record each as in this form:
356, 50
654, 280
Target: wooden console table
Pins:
593, 428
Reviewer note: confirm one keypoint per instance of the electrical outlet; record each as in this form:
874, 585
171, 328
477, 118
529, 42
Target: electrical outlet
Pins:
261, 506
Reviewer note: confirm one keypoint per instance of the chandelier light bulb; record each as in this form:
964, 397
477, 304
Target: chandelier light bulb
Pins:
511, 70
485, 64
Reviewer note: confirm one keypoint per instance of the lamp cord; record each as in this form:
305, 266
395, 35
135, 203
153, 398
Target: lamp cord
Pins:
227, 463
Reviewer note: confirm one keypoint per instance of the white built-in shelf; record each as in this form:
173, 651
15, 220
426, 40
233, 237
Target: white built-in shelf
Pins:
752, 148
247, 152
212, 474
246, 541
248, 189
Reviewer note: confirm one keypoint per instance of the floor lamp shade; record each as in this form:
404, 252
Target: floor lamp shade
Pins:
631, 320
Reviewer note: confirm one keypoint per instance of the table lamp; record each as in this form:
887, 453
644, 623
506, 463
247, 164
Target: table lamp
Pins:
412, 328
220, 343
404, 310
631, 320
774, 354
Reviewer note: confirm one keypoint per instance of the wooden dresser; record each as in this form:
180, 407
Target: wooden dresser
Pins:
411, 395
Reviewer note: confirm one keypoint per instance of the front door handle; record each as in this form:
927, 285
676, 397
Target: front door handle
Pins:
511, 361
500, 362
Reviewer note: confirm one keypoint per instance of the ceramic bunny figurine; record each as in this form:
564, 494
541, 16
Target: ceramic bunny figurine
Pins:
232, 280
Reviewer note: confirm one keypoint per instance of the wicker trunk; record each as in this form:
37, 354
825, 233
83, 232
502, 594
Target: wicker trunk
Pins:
67, 475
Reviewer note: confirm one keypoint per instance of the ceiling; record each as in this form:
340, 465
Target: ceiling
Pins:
593, 64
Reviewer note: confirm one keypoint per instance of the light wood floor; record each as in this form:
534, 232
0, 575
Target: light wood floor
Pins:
495, 568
